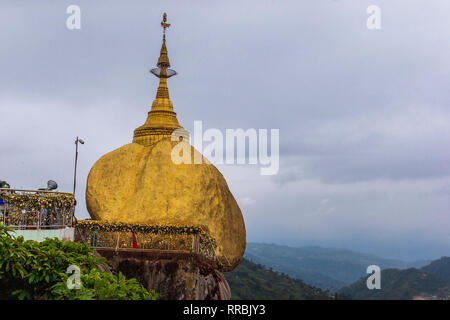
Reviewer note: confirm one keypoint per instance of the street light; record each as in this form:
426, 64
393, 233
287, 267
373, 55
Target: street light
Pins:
76, 160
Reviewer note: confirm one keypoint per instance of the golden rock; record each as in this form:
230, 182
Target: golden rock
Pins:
137, 184
140, 184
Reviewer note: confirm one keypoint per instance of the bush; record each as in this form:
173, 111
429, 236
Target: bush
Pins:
38, 270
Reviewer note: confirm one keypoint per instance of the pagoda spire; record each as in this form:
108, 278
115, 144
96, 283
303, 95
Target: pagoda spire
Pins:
161, 120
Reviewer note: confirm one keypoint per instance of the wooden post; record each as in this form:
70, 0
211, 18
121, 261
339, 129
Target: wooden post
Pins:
213, 248
118, 238
198, 243
64, 218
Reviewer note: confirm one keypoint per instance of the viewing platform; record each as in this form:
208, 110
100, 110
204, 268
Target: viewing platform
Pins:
148, 240
38, 214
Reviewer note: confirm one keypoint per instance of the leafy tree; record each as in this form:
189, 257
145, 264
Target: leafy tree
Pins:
38, 270
4, 184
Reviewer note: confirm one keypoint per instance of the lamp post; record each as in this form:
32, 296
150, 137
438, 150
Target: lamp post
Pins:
76, 160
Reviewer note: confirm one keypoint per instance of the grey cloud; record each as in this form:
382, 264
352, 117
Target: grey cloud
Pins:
353, 106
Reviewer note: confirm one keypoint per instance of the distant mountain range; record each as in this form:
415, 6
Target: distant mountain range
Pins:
270, 271
406, 284
326, 268
251, 281
440, 268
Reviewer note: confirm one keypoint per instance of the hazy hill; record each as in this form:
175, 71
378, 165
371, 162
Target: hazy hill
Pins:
398, 285
326, 268
439, 268
252, 281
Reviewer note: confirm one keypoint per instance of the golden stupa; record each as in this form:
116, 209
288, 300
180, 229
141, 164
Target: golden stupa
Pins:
139, 183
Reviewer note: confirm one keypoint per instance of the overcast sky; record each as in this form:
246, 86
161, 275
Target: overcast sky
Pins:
364, 115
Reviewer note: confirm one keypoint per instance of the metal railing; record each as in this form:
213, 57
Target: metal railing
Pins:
36, 209
102, 235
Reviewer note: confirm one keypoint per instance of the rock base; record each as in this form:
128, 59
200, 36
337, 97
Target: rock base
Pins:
174, 275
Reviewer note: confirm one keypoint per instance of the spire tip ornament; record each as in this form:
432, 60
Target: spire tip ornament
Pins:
163, 64
161, 120
164, 24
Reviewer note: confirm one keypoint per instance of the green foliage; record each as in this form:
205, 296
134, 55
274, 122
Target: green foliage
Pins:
97, 285
4, 184
252, 281
37, 270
